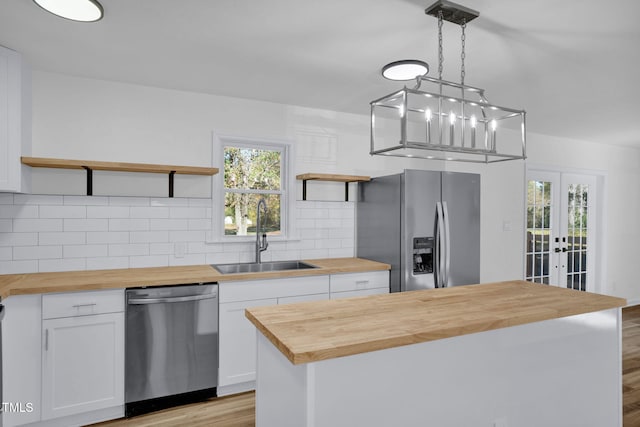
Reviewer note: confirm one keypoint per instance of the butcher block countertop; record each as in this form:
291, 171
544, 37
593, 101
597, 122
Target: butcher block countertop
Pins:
313, 331
39, 283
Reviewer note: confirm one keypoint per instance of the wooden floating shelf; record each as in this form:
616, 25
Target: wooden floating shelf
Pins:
91, 165
330, 177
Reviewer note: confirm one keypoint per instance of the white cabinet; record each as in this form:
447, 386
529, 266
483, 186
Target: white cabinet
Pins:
359, 284
21, 359
82, 353
238, 342
238, 335
15, 121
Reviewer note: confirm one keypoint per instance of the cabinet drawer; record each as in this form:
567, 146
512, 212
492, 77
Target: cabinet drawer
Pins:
71, 304
359, 281
360, 293
273, 288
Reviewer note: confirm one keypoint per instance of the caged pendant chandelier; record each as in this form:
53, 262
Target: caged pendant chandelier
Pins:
443, 120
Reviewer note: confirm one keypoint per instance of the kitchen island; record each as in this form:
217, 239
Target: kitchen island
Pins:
500, 354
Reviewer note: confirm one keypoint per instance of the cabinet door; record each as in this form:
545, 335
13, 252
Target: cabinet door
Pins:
15, 122
238, 342
82, 364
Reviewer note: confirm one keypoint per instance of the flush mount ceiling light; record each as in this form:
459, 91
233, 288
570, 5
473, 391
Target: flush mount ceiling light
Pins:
407, 69
75, 10
450, 121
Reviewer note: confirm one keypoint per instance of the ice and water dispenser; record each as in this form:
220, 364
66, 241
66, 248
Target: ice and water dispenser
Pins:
423, 255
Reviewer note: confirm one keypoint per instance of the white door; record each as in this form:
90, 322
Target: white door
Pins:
561, 229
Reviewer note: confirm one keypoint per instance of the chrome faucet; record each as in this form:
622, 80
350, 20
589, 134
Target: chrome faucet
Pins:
261, 246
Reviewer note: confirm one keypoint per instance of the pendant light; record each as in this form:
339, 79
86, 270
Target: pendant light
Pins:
444, 120
74, 10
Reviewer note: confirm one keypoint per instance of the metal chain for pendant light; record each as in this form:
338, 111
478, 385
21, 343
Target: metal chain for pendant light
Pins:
440, 54
462, 55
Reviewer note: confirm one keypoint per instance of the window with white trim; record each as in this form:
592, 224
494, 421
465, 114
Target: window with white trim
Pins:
252, 170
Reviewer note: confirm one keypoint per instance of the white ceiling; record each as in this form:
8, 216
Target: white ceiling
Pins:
571, 64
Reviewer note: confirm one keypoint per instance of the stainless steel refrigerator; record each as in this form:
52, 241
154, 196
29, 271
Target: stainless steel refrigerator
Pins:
425, 224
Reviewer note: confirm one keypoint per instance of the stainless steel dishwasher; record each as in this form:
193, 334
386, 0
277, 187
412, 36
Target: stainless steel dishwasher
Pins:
171, 346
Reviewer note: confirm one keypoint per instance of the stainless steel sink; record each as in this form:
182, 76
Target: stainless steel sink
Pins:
254, 267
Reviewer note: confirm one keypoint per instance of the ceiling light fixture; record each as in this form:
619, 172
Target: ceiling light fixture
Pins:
75, 10
444, 124
407, 69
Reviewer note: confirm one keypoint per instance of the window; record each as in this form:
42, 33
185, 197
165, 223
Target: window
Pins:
251, 170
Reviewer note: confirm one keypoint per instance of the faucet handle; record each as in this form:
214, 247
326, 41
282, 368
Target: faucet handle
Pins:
264, 244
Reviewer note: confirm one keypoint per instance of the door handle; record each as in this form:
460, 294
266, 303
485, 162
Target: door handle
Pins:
171, 299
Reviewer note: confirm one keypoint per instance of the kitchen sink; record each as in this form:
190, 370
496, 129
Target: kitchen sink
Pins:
254, 267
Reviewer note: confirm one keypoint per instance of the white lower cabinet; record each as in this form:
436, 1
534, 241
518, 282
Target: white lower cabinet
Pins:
237, 370
82, 364
237, 341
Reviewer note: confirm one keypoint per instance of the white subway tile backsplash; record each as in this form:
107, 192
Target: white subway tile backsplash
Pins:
86, 224
133, 224
129, 201
27, 225
6, 225
314, 213
168, 201
37, 252
95, 237
19, 211
168, 224
203, 248
104, 263
161, 248
6, 253
85, 251
186, 236
148, 261
314, 253
200, 224
63, 264
191, 259
222, 258
86, 200
18, 239
63, 211
129, 250
187, 212
18, 267
62, 238
36, 199
108, 212
61, 233
200, 202
148, 236
149, 212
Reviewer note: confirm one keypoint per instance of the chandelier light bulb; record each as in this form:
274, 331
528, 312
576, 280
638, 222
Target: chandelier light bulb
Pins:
401, 110
474, 122
428, 114
494, 125
452, 118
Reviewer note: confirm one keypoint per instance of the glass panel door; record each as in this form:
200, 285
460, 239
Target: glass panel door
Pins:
577, 269
560, 235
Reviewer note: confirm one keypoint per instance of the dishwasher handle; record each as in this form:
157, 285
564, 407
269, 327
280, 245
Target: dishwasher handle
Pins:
139, 301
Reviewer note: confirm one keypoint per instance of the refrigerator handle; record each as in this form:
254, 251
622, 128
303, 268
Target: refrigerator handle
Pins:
447, 245
440, 247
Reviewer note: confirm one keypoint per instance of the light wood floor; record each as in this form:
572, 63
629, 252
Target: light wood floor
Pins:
238, 410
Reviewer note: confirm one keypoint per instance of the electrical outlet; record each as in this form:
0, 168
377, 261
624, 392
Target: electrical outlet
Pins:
179, 249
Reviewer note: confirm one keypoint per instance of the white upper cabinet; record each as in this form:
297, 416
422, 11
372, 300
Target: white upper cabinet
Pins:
15, 121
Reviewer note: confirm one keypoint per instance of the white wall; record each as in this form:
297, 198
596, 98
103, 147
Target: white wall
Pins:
91, 119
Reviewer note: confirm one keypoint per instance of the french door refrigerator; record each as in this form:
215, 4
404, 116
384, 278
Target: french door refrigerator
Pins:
425, 224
